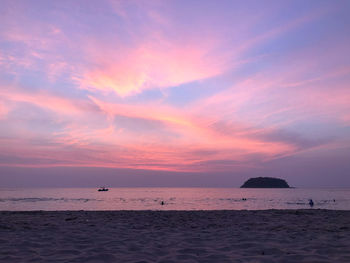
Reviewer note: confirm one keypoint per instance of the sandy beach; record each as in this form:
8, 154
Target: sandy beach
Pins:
175, 236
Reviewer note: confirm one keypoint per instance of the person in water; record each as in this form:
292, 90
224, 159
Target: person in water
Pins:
311, 203
162, 203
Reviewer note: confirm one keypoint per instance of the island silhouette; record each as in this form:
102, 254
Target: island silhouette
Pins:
265, 182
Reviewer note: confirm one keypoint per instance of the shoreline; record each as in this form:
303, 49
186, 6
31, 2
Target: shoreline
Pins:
179, 210
302, 235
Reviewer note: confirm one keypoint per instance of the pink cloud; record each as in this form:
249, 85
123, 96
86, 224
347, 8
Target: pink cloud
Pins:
196, 131
150, 66
3, 110
110, 146
159, 61
48, 101
154, 157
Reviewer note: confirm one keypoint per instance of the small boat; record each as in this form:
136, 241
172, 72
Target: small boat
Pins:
102, 189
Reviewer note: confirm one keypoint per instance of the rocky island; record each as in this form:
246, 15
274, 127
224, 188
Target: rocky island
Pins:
265, 182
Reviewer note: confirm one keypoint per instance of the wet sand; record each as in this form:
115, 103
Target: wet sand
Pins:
175, 236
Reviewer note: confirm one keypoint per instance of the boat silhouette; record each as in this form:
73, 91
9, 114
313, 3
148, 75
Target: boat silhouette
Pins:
102, 189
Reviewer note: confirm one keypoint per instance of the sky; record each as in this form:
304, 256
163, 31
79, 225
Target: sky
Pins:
174, 93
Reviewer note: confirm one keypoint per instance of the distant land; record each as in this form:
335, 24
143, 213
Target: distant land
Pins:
265, 182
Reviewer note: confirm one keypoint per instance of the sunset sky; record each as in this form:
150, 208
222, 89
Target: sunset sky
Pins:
174, 93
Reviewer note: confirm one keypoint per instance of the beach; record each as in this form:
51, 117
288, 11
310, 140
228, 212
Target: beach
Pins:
175, 236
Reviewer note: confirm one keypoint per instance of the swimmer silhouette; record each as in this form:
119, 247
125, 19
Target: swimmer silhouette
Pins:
162, 203
311, 203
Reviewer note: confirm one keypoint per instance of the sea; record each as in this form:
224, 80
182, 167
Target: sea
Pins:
28, 199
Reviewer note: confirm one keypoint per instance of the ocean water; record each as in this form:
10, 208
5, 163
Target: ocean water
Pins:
173, 198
